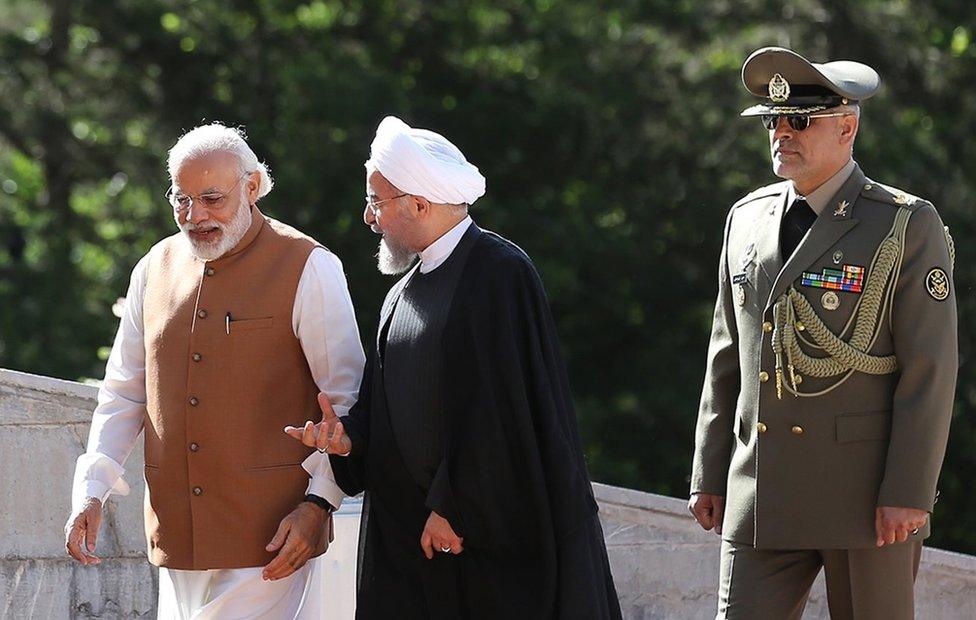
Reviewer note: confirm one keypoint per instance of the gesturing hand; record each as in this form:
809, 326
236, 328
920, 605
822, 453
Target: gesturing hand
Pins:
895, 524
709, 510
326, 436
81, 532
300, 535
439, 536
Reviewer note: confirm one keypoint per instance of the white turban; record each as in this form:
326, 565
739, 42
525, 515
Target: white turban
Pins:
423, 163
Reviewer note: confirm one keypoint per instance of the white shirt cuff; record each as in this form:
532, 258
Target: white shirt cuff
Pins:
322, 482
99, 476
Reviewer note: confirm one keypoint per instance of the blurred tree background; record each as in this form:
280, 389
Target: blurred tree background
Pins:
609, 134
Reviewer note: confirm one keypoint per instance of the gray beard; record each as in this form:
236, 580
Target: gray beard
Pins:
232, 233
393, 259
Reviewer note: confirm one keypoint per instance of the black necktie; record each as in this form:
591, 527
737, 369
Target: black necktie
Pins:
797, 221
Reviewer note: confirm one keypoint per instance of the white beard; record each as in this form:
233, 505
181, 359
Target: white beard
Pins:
230, 235
393, 259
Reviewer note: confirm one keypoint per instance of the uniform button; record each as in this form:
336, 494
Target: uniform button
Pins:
197, 357
800, 326
797, 430
799, 379
761, 427
210, 271
193, 401
868, 186
767, 327
194, 447
202, 313
197, 491
763, 376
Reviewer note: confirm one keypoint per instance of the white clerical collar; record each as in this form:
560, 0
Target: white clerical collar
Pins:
439, 251
819, 198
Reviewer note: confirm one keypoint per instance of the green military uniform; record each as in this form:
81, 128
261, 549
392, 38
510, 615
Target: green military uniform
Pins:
830, 378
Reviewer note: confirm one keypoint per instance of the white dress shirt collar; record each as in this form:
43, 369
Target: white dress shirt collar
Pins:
439, 251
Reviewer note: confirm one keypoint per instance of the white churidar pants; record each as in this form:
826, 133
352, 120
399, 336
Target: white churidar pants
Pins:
323, 589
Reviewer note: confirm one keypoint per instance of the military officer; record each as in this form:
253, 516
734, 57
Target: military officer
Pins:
832, 364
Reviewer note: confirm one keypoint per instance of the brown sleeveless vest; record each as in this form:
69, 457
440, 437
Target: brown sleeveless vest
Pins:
224, 375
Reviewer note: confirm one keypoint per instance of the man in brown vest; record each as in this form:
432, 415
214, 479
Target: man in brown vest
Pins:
231, 328
831, 368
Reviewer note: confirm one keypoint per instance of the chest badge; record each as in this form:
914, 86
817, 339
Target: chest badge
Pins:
841, 210
838, 257
740, 295
937, 284
830, 301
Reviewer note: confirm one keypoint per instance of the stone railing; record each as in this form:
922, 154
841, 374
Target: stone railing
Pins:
663, 564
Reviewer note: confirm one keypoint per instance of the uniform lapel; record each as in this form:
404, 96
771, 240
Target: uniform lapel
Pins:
767, 242
835, 222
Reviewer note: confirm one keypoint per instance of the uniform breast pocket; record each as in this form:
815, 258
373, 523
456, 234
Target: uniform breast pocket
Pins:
869, 426
249, 325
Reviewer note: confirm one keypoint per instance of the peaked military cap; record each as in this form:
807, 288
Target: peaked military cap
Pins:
791, 84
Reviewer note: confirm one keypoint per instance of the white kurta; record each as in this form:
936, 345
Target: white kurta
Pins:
324, 322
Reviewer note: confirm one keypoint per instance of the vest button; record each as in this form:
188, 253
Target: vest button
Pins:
797, 430
767, 327
763, 376
197, 357
210, 271
197, 491
761, 427
194, 447
202, 314
193, 401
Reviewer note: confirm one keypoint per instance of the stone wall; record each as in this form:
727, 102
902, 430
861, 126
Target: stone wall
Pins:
663, 564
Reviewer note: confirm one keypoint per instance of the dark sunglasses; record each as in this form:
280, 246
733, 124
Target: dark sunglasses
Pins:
798, 122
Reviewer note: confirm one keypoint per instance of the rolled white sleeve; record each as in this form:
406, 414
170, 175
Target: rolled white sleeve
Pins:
325, 323
118, 417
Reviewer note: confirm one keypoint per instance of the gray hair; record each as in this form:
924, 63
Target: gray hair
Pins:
853, 109
218, 138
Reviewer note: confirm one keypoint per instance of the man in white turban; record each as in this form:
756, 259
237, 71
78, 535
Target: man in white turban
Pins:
478, 502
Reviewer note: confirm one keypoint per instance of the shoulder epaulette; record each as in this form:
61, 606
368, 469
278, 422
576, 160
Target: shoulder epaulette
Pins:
891, 195
763, 192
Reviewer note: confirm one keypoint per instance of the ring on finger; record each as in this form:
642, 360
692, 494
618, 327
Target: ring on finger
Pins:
445, 549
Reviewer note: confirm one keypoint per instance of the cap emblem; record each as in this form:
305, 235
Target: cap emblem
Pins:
779, 89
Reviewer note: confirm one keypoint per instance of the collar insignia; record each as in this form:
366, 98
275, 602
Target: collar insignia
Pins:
779, 89
841, 210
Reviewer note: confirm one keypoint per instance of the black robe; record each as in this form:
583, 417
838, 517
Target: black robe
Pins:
513, 482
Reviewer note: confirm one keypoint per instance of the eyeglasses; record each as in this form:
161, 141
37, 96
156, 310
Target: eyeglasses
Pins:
212, 200
798, 122
374, 205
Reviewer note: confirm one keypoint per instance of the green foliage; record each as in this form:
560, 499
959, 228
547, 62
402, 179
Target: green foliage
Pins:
608, 133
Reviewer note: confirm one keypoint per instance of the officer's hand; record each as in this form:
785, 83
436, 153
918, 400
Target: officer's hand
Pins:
301, 535
439, 536
81, 532
326, 436
708, 509
893, 525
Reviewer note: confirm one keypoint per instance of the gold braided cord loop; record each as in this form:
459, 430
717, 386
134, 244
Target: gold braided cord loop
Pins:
952, 247
843, 357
